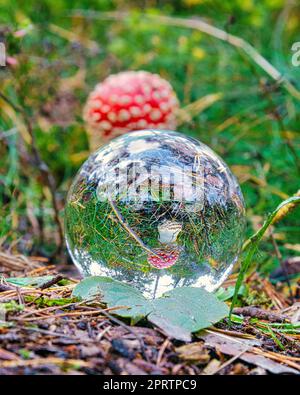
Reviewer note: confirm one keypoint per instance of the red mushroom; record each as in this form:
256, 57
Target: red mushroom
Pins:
164, 258
168, 255
131, 100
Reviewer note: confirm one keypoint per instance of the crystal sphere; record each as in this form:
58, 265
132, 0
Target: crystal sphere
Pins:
156, 210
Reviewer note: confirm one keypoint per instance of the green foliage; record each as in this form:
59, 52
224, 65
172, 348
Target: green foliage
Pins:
43, 301
225, 294
11, 307
252, 246
29, 281
114, 293
25, 354
186, 309
179, 312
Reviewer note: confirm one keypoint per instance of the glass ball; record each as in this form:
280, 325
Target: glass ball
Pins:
156, 210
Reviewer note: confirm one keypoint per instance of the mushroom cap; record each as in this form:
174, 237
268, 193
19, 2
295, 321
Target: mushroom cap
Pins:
130, 100
164, 258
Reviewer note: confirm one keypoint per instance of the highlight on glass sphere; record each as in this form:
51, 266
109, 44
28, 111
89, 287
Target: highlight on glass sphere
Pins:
127, 101
156, 210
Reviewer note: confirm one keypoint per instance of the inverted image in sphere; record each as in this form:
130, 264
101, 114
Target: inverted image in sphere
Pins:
156, 210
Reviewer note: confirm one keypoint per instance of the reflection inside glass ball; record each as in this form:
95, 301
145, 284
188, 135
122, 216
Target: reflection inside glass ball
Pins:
157, 210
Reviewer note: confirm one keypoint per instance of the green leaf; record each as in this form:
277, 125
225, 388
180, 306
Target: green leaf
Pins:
188, 308
252, 246
114, 293
225, 294
29, 281
178, 312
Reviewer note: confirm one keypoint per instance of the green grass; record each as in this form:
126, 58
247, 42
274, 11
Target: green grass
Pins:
254, 127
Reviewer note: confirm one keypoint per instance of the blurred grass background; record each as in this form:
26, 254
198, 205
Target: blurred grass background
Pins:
59, 50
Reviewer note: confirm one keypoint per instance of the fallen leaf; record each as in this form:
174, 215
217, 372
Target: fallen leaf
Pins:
7, 355
212, 367
188, 308
232, 346
29, 281
194, 352
178, 313
114, 293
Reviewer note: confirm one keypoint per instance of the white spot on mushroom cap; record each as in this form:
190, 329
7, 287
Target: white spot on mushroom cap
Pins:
155, 114
164, 106
125, 99
123, 115
112, 116
156, 95
142, 123
165, 93
105, 125
147, 108
139, 99
135, 111
146, 89
113, 98
95, 117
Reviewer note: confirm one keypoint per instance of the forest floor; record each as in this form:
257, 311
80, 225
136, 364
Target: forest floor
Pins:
44, 330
